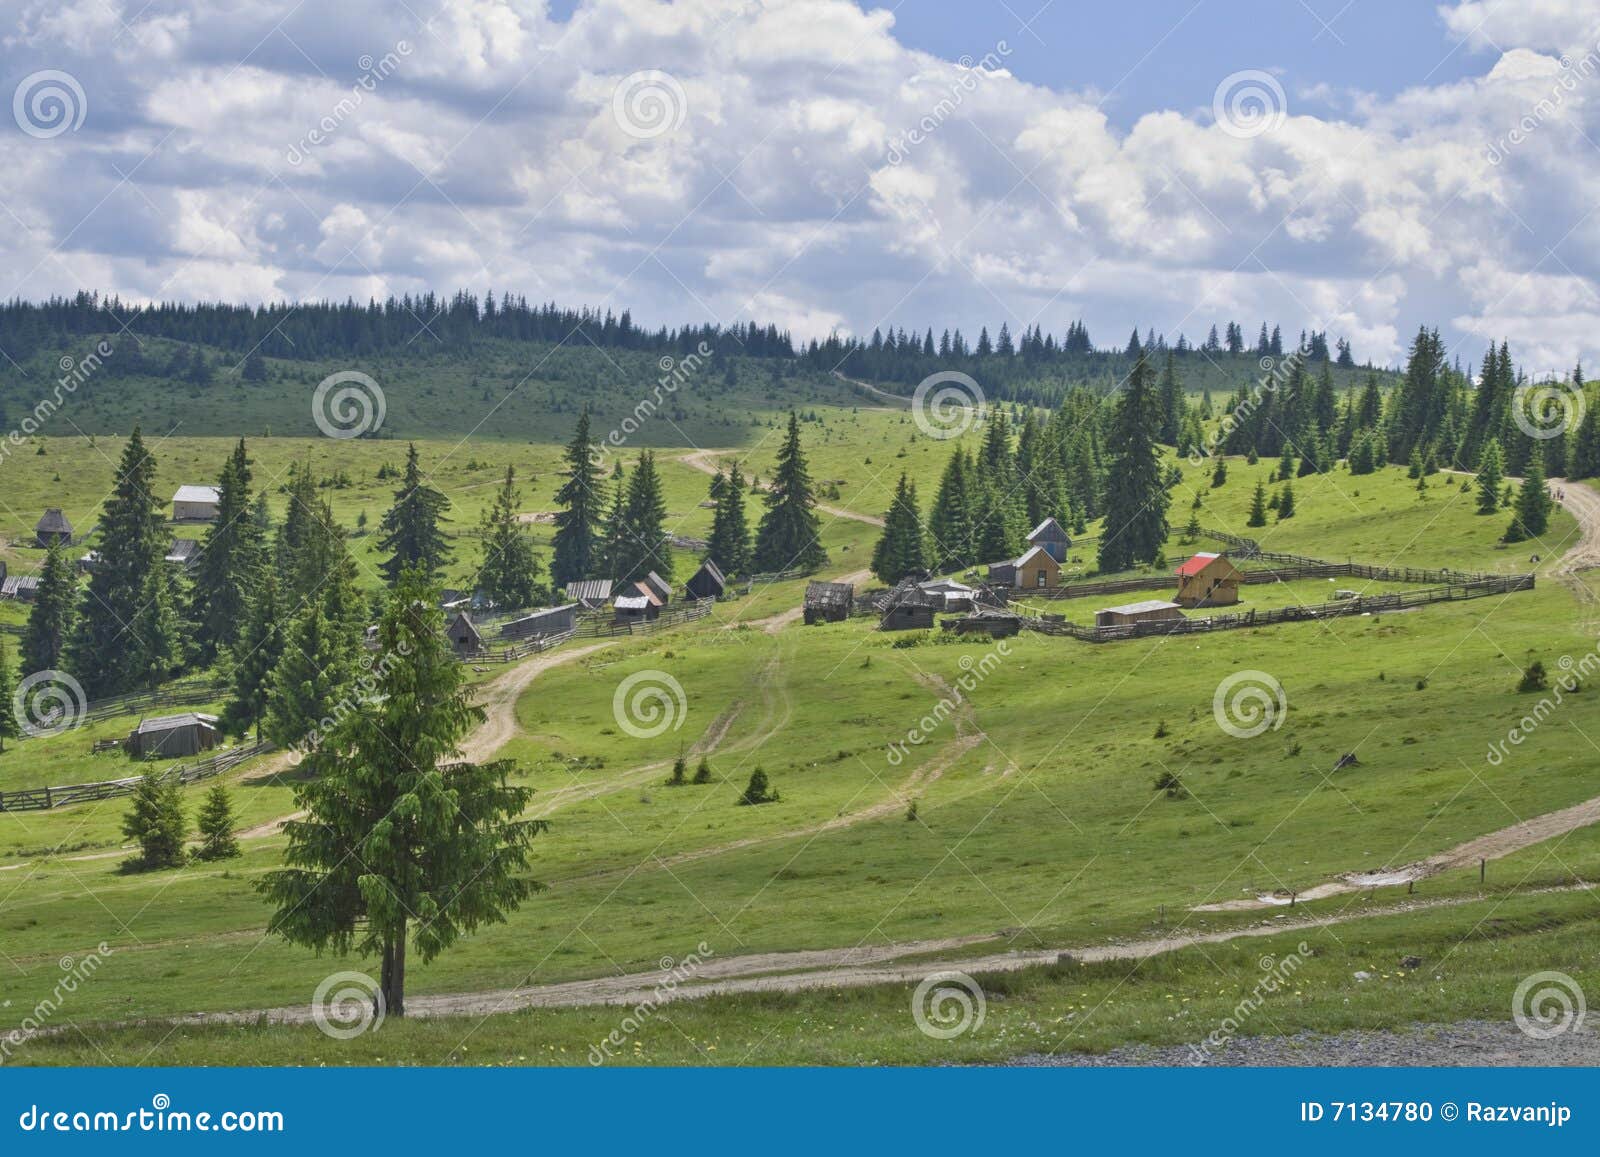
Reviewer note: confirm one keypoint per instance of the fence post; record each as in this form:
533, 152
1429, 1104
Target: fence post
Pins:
48, 801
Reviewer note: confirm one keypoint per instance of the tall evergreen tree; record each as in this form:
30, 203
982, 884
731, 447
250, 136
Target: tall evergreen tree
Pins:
576, 546
215, 821
1491, 476
228, 564
10, 725
155, 821
1531, 515
404, 845
1136, 489
902, 548
730, 527
411, 527
1258, 505
790, 535
51, 618
1171, 402
133, 541
156, 636
256, 654
953, 522
509, 571
313, 675
641, 541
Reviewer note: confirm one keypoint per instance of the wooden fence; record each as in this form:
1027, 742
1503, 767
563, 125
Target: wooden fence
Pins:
602, 626
518, 651
43, 798
140, 702
1360, 605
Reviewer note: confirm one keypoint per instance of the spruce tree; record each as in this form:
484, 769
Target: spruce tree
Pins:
1258, 506
133, 541
508, 574
10, 725
901, 549
51, 618
1531, 516
1491, 476
1171, 402
790, 535
1219, 473
256, 655
1136, 490
1286, 502
156, 641
411, 527
953, 521
403, 844
155, 821
642, 544
576, 546
312, 678
215, 821
758, 790
730, 527
228, 563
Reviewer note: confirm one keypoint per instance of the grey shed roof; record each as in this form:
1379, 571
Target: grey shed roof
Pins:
590, 590
53, 522
168, 722
1048, 531
1140, 607
197, 494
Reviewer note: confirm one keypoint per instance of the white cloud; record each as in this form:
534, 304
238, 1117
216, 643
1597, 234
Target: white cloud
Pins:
820, 175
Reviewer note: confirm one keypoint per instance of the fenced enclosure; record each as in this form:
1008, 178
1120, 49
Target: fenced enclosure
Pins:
44, 798
185, 694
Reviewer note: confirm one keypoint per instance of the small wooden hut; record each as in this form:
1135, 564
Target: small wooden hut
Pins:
706, 583
541, 624
196, 504
828, 602
52, 529
170, 736
1052, 538
465, 639
1208, 580
591, 594
1147, 611
907, 607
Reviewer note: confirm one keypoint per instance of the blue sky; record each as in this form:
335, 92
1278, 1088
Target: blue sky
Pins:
1364, 168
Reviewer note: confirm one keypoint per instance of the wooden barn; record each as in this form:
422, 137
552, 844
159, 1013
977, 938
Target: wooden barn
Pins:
1037, 569
22, 587
706, 583
907, 607
195, 504
465, 638
170, 736
657, 587
1208, 580
52, 529
828, 602
1148, 611
1049, 535
635, 607
590, 594
952, 596
540, 624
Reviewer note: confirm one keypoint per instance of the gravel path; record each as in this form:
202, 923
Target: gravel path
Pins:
1466, 1043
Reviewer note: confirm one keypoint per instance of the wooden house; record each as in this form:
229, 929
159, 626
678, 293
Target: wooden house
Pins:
1049, 535
828, 602
907, 607
1148, 611
706, 583
1037, 569
465, 638
1208, 580
636, 607
590, 594
657, 587
52, 529
542, 624
22, 587
169, 736
196, 504
951, 595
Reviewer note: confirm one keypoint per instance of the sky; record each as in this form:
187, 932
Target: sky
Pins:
1359, 167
